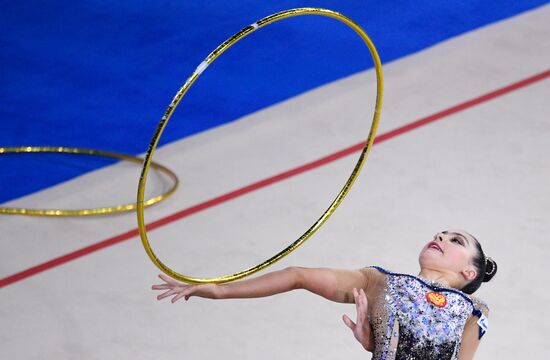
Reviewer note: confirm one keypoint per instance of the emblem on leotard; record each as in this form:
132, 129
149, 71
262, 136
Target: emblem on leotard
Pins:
437, 299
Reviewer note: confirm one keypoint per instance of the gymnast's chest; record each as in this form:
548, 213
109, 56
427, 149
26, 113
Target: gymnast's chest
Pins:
423, 313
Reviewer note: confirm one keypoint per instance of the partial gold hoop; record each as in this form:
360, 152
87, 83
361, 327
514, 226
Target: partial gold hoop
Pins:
183, 90
93, 211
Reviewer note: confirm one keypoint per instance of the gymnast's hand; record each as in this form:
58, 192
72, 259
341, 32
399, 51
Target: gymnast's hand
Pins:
179, 289
361, 329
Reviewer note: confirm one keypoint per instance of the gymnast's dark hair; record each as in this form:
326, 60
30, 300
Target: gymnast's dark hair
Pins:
486, 269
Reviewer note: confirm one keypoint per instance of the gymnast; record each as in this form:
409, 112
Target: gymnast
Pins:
399, 316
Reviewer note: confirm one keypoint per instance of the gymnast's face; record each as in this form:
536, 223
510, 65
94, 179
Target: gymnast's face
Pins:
451, 252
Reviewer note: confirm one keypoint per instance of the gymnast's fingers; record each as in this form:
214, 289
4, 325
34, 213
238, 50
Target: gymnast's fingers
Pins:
364, 296
191, 290
168, 293
362, 306
170, 281
180, 295
357, 299
363, 301
349, 323
162, 287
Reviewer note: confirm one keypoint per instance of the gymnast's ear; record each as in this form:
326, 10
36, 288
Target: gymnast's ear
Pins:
469, 274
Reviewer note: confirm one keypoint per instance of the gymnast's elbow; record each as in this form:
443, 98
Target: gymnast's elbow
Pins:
297, 278
318, 281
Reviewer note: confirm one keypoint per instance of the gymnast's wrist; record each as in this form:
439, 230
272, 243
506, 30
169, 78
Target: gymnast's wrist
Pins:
368, 345
220, 291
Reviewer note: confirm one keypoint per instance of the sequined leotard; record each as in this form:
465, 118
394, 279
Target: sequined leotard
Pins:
414, 319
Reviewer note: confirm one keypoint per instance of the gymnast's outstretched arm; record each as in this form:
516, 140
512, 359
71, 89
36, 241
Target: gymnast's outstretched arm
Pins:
332, 284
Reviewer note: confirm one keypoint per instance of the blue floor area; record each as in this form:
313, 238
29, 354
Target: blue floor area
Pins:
100, 74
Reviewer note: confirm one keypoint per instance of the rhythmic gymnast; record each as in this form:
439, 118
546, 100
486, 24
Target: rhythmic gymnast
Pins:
399, 316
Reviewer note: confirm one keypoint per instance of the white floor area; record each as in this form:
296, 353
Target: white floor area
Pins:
485, 169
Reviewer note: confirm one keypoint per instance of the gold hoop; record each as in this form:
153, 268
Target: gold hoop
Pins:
93, 211
183, 90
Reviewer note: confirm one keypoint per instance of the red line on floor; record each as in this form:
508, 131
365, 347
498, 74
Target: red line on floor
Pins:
271, 180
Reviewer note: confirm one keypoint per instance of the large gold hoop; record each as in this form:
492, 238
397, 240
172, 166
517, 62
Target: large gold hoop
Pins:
116, 209
183, 90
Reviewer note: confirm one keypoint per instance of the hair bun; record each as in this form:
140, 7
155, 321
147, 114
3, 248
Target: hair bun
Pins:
490, 269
